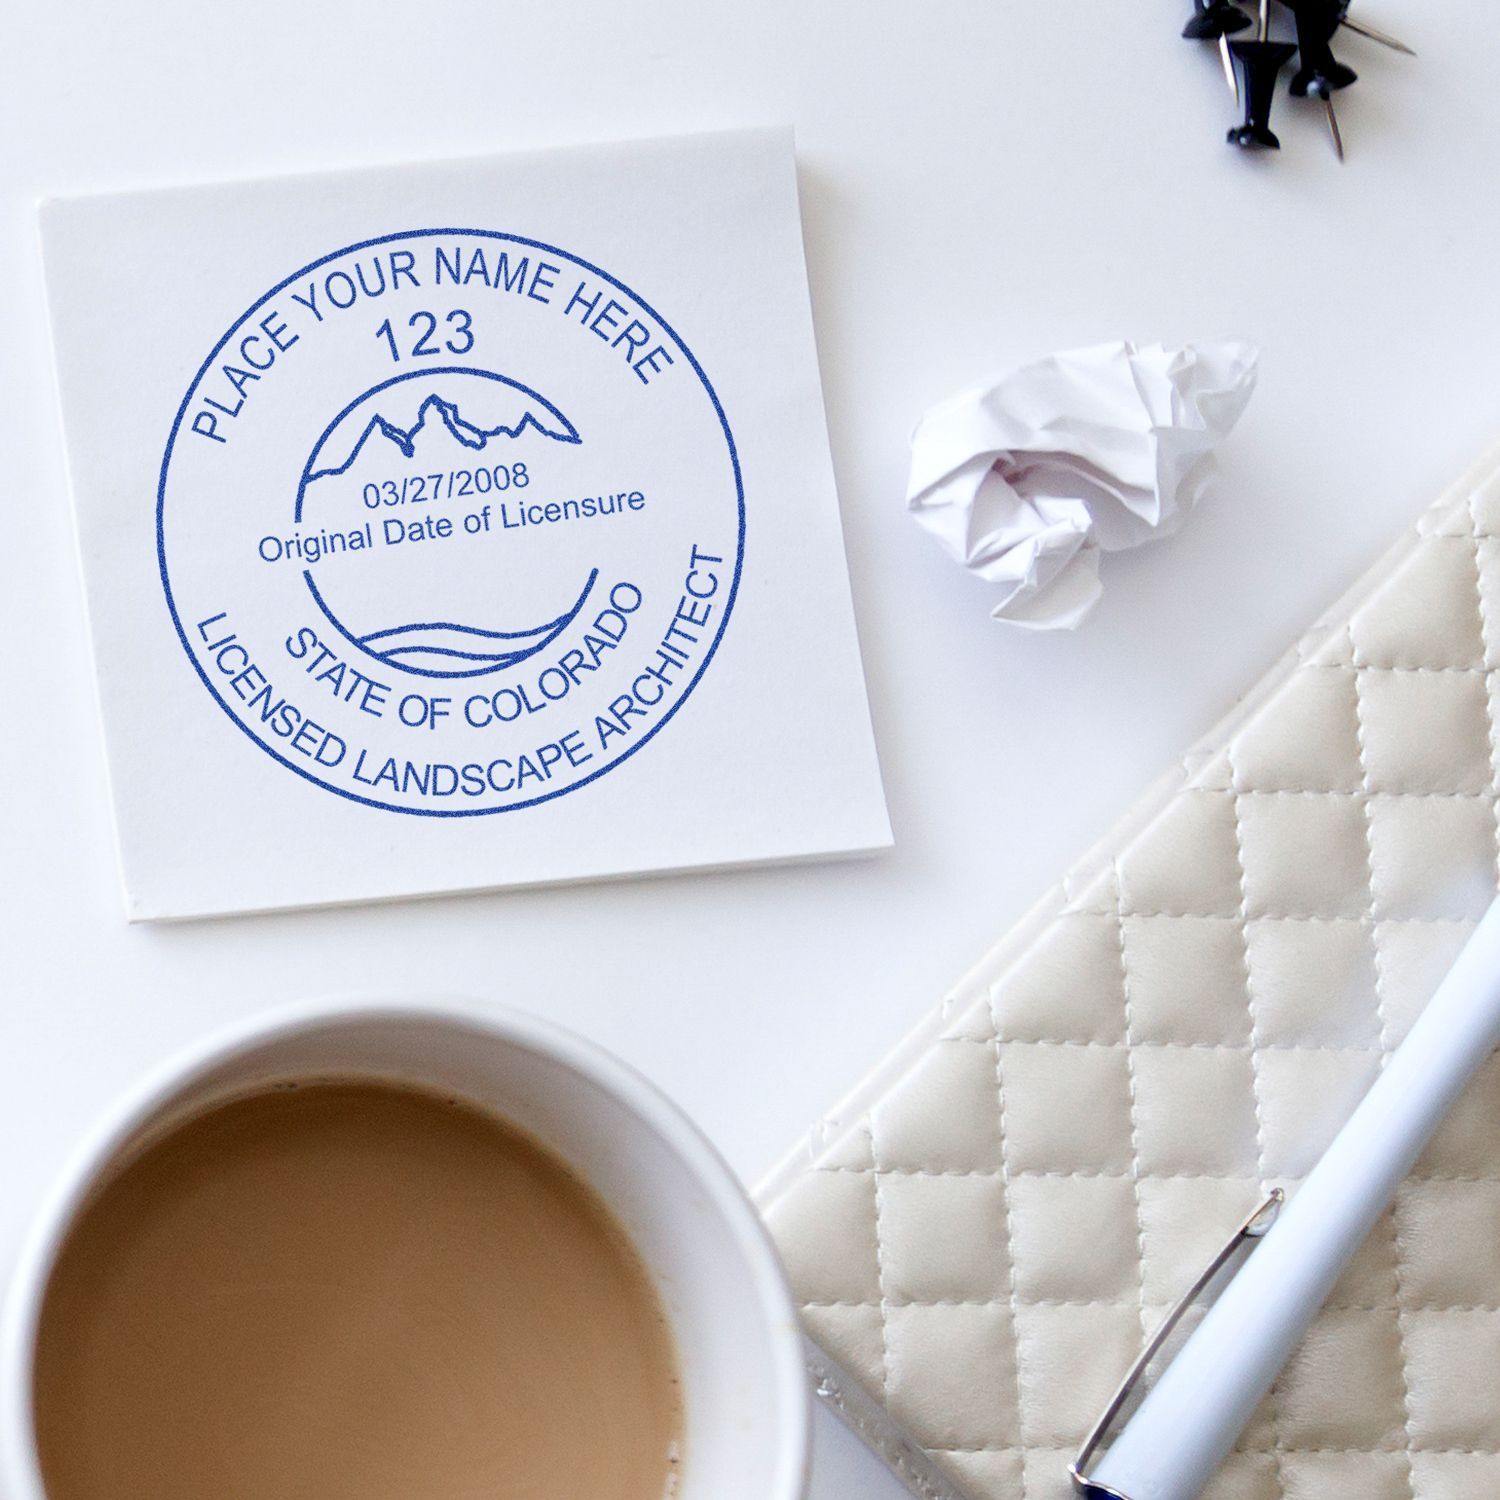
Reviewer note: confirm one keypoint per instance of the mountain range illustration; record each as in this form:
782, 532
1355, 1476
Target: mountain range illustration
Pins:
436, 414
439, 417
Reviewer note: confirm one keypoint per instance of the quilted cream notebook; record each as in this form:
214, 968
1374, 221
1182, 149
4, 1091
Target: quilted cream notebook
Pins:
983, 1234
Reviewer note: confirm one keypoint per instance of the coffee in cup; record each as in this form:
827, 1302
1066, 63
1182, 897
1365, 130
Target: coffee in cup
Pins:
352, 1291
361, 1248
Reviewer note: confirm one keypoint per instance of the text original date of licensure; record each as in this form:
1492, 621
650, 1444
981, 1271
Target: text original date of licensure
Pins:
452, 484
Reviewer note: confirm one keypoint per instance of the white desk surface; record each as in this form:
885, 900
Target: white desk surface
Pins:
983, 181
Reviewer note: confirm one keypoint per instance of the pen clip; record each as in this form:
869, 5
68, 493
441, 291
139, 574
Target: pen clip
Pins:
1255, 1224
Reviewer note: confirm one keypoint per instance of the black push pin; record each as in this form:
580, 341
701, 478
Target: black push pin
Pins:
1217, 21
1321, 74
1261, 62
1212, 19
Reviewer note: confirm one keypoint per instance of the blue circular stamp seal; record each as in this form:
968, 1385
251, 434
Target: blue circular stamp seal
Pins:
450, 522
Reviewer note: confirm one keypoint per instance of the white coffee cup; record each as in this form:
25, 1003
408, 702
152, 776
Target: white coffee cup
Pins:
746, 1394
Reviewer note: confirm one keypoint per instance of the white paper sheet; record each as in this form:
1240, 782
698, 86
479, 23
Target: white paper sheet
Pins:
1027, 479
458, 526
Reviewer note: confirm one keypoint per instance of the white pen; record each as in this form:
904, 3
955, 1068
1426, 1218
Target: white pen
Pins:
1188, 1422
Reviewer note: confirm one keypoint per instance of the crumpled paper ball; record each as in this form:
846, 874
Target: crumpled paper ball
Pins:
1027, 479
